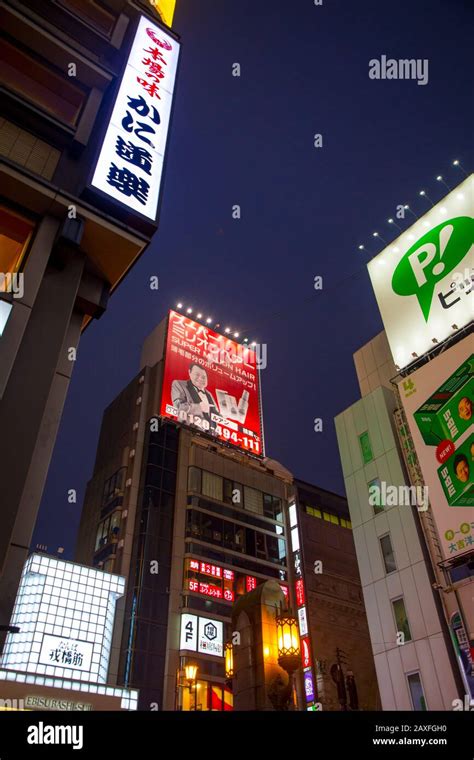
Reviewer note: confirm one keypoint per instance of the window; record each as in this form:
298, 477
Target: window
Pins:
211, 485
114, 485
375, 495
416, 692
108, 530
327, 516
253, 500
48, 90
15, 234
271, 506
314, 512
387, 553
232, 493
92, 13
401, 619
346, 523
194, 479
365, 447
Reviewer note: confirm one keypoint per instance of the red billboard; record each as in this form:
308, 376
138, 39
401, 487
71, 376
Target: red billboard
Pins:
211, 383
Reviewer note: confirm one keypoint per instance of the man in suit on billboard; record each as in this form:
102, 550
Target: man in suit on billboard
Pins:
192, 397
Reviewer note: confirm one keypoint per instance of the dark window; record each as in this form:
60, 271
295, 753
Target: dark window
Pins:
48, 90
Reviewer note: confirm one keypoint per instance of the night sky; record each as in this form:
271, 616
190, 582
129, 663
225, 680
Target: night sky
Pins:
250, 141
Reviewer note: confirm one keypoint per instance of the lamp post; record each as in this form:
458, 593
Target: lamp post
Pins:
229, 661
288, 641
190, 673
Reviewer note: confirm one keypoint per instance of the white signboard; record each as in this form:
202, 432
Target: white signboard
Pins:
189, 628
303, 622
66, 653
203, 635
423, 281
210, 637
130, 162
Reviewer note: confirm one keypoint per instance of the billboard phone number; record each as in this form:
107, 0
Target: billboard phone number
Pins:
246, 442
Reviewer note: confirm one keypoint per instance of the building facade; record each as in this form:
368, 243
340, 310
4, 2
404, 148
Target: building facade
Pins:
337, 618
414, 658
192, 524
65, 245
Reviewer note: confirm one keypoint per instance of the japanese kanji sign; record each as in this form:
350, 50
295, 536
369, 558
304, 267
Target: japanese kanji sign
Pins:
211, 383
439, 407
130, 162
66, 653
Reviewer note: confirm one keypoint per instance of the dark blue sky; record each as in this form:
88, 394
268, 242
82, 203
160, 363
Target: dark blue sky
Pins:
249, 141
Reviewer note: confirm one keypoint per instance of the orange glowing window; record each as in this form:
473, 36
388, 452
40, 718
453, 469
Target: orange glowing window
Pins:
15, 234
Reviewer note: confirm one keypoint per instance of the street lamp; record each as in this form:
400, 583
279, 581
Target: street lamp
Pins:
229, 661
288, 641
190, 675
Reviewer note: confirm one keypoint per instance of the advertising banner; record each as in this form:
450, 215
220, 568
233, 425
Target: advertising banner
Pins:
211, 383
438, 400
423, 281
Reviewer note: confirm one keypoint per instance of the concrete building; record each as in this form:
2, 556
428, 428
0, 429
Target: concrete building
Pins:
414, 658
65, 246
192, 524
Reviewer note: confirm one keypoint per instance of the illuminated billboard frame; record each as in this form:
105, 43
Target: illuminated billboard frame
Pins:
423, 280
443, 388
211, 384
131, 158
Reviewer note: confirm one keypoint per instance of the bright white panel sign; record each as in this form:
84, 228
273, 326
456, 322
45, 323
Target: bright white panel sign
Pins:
130, 162
423, 281
66, 653
210, 637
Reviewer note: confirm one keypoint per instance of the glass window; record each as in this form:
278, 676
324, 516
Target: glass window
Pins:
416, 692
375, 495
194, 479
228, 488
253, 500
346, 523
15, 234
327, 516
365, 447
335, 519
387, 553
50, 91
211, 485
401, 619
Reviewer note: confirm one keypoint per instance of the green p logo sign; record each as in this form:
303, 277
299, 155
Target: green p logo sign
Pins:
431, 258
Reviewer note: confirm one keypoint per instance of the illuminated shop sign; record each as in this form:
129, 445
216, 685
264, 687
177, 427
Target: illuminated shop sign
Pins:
299, 590
250, 583
303, 622
130, 162
214, 570
204, 635
309, 686
305, 652
209, 590
56, 650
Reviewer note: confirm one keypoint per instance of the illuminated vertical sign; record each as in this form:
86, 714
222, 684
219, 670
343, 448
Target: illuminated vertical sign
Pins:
299, 590
250, 583
131, 157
